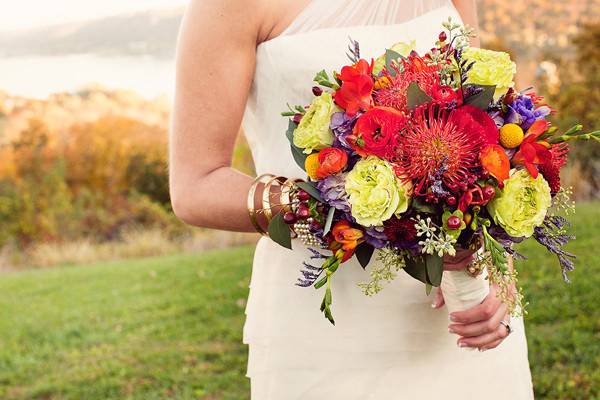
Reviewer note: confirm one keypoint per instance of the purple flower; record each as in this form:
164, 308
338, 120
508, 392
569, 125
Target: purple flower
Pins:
523, 111
341, 126
334, 193
375, 236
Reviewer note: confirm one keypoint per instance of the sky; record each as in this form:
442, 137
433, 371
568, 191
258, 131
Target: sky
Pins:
23, 14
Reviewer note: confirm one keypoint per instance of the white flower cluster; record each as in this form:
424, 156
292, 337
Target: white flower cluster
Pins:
434, 242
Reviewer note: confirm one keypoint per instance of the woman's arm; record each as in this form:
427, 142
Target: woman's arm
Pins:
468, 12
215, 66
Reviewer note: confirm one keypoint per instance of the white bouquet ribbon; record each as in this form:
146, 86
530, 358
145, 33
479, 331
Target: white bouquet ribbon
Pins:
462, 291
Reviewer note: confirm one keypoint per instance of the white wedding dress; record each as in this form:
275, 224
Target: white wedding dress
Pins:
390, 346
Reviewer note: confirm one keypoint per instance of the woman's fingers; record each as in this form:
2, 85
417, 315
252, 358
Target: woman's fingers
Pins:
438, 301
481, 312
486, 340
482, 327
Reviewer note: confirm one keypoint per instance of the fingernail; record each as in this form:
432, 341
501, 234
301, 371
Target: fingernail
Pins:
433, 305
453, 318
482, 350
461, 344
451, 330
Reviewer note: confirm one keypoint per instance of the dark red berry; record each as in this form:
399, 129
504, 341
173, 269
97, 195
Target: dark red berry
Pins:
303, 195
454, 222
298, 118
315, 226
451, 201
443, 37
303, 211
290, 218
489, 192
317, 91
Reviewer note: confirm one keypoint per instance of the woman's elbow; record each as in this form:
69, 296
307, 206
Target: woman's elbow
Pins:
183, 205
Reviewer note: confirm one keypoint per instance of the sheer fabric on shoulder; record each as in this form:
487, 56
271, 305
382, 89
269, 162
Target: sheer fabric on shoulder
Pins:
327, 14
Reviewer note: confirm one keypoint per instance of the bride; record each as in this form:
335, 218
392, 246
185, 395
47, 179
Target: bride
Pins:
239, 61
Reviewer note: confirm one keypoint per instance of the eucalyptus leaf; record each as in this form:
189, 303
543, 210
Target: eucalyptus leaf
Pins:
415, 96
416, 268
435, 268
391, 56
279, 232
364, 252
311, 189
299, 157
290, 131
482, 99
329, 221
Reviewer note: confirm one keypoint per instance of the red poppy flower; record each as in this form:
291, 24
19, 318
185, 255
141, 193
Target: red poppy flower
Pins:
375, 130
531, 152
357, 86
331, 161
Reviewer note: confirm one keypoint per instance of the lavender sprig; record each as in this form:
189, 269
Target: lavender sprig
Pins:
354, 51
552, 235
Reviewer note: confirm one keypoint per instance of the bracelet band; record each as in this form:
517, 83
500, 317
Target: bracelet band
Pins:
266, 196
251, 201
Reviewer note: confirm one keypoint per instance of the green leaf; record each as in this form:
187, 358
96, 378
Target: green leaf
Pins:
416, 268
482, 99
311, 189
418, 205
435, 268
297, 153
415, 96
299, 157
322, 78
329, 221
319, 284
279, 232
329, 316
328, 299
428, 289
364, 252
391, 56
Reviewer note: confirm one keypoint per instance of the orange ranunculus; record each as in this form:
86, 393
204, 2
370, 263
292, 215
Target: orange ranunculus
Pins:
331, 161
532, 152
355, 94
495, 161
345, 238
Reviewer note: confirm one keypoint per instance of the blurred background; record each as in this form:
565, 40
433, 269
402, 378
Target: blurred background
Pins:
105, 295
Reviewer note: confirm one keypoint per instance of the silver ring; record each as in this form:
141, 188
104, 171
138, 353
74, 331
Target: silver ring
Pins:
506, 324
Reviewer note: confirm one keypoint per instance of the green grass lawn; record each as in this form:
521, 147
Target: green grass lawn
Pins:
171, 327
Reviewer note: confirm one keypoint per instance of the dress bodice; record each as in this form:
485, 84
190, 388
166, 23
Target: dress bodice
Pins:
318, 39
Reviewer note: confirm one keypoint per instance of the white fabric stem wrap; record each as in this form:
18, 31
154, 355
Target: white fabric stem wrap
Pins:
462, 291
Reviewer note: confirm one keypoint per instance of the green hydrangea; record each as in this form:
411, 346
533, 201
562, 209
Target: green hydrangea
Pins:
314, 132
522, 204
491, 68
401, 48
375, 193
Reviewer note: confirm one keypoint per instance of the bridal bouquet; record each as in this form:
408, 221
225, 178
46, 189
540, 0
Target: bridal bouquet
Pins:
412, 157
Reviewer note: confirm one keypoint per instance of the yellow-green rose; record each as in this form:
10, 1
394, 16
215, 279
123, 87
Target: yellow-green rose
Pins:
522, 204
375, 193
401, 48
491, 68
313, 132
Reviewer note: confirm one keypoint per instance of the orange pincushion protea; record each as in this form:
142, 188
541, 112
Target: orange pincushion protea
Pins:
393, 88
439, 144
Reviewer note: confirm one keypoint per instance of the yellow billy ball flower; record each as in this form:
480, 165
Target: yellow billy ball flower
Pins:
511, 135
311, 164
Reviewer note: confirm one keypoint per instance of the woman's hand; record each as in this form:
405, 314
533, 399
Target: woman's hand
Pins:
480, 327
